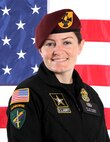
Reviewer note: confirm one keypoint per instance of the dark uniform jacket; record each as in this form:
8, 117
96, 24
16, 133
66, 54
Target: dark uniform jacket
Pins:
50, 111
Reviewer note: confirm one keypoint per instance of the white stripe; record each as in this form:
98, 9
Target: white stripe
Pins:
103, 91
5, 92
104, 94
109, 133
3, 135
95, 53
85, 9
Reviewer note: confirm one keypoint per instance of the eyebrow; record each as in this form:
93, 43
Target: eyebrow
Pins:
67, 38
62, 38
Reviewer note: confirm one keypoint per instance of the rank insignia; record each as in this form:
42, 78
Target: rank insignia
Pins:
60, 103
18, 117
84, 95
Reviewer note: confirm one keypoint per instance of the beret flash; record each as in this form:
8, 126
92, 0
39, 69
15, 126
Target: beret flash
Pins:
60, 21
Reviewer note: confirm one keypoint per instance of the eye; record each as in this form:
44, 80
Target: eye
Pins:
67, 42
50, 44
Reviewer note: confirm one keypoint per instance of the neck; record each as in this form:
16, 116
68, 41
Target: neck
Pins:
65, 78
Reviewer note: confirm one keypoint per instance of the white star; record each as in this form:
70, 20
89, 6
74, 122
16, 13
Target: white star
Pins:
33, 40
7, 70
6, 40
35, 9
20, 25
35, 69
5, 11
59, 101
21, 54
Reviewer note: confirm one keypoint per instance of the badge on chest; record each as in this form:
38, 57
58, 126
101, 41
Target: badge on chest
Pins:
60, 103
87, 105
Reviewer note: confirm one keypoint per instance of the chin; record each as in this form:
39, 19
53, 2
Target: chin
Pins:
59, 71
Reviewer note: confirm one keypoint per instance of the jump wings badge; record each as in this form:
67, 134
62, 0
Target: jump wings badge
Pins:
85, 96
60, 103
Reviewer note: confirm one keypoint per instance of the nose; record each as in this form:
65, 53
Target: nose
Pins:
57, 50
58, 47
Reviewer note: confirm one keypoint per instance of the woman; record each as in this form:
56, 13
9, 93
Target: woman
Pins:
55, 104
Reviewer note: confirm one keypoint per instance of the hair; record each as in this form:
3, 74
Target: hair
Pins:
79, 36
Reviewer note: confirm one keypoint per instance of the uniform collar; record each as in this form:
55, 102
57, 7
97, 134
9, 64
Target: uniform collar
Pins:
49, 77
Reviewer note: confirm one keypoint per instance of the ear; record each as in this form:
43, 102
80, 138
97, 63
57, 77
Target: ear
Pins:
81, 46
40, 51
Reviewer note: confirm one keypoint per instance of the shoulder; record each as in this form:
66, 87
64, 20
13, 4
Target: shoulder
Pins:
93, 94
31, 82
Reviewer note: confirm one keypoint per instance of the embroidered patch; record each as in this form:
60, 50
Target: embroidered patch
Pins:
17, 106
90, 108
20, 95
60, 103
18, 117
66, 21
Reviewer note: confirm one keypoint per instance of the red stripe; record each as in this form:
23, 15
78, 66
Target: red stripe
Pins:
98, 75
107, 117
3, 117
96, 30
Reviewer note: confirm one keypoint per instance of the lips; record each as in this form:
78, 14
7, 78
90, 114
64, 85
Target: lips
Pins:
59, 59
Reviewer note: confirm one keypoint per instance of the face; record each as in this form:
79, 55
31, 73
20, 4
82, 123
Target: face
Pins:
60, 51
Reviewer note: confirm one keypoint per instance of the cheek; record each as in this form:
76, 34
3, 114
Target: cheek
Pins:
46, 55
73, 52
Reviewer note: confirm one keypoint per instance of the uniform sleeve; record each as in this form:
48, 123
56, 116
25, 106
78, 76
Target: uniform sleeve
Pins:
24, 118
103, 134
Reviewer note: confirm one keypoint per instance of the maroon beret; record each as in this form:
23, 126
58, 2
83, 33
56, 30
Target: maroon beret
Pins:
60, 21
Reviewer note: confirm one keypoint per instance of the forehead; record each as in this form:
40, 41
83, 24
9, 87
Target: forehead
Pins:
61, 35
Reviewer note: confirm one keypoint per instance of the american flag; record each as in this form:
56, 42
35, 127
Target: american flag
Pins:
19, 58
20, 95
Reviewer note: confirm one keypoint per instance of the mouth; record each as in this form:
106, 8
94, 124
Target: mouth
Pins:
59, 59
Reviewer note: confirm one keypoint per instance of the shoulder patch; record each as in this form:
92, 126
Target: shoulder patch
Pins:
20, 95
18, 117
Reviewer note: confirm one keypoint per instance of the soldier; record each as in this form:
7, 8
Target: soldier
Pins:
55, 105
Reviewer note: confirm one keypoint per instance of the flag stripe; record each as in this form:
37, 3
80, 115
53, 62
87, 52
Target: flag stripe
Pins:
94, 53
103, 91
3, 117
6, 92
98, 75
107, 117
95, 9
104, 94
89, 33
3, 135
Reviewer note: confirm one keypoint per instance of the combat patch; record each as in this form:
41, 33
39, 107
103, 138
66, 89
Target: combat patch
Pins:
60, 103
18, 117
